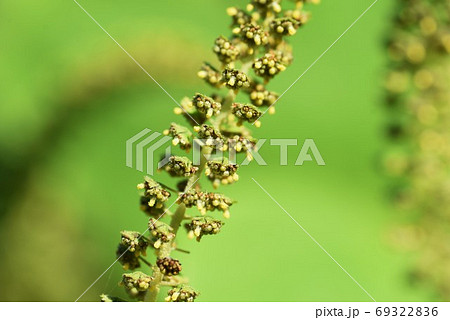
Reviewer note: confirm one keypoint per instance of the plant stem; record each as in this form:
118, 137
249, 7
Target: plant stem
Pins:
175, 222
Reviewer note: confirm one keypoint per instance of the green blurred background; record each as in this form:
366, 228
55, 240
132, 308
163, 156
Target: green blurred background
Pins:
70, 98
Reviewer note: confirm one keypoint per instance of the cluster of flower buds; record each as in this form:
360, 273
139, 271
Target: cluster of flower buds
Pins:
161, 232
182, 294
207, 201
300, 16
136, 284
240, 17
206, 105
181, 135
246, 112
268, 66
180, 167
221, 171
260, 96
210, 136
252, 34
242, 144
265, 6
202, 226
135, 242
129, 260
210, 75
238, 137
154, 196
284, 26
226, 52
169, 266
189, 112
284, 54
153, 191
235, 79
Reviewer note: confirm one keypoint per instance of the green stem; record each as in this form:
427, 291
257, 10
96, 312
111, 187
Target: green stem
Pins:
175, 222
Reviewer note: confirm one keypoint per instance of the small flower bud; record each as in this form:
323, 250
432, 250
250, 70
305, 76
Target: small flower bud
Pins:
253, 34
180, 167
210, 75
189, 112
160, 231
136, 284
128, 260
206, 105
181, 136
265, 6
169, 266
284, 26
153, 191
235, 79
205, 201
201, 226
211, 136
283, 53
260, 96
246, 112
268, 66
135, 242
181, 294
226, 52
239, 16
221, 171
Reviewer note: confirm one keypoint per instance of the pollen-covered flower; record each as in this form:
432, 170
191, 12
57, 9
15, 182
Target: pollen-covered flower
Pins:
221, 171
210, 74
202, 226
161, 232
246, 112
134, 241
181, 135
268, 66
284, 26
169, 266
182, 294
153, 191
235, 79
253, 34
206, 105
226, 52
180, 167
136, 284
210, 136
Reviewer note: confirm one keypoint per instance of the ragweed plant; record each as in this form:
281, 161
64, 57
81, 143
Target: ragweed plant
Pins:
418, 95
254, 53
